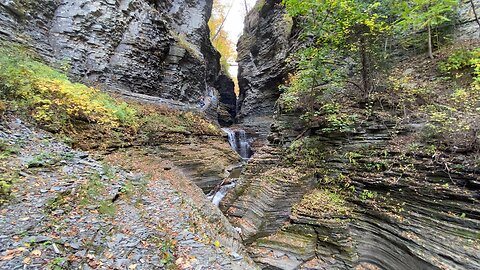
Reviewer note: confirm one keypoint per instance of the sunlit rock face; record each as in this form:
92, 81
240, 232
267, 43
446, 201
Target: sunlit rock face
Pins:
467, 27
156, 48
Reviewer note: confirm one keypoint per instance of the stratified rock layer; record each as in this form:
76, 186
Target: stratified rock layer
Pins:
262, 53
156, 48
404, 209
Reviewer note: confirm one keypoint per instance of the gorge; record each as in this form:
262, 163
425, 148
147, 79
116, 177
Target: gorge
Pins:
204, 179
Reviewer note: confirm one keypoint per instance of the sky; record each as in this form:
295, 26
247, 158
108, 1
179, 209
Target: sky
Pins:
234, 23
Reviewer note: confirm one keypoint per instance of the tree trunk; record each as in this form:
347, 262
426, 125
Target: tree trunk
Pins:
475, 13
365, 68
246, 7
222, 24
430, 49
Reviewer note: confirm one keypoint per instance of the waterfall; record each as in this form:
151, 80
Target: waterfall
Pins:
239, 142
219, 195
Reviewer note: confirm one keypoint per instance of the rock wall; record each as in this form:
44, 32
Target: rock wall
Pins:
155, 48
406, 209
270, 36
266, 43
227, 110
468, 26
403, 208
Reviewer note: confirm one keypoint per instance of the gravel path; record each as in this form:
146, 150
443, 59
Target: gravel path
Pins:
69, 211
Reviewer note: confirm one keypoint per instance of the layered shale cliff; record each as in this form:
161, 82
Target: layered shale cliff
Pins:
157, 51
403, 209
267, 41
156, 48
377, 197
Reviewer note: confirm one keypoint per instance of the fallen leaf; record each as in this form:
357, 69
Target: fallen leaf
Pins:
27, 260
36, 253
217, 244
7, 257
108, 255
132, 267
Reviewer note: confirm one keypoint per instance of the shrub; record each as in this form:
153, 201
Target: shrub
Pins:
51, 98
324, 202
7, 180
461, 60
306, 152
456, 129
456, 123
3, 108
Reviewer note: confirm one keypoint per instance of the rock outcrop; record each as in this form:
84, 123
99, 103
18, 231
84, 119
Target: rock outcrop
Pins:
468, 26
155, 48
405, 209
263, 48
227, 110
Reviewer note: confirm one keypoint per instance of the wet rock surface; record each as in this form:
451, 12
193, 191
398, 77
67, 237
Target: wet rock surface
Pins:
203, 159
406, 209
69, 210
157, 49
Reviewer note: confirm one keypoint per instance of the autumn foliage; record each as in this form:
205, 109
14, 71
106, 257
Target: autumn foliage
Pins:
219, 36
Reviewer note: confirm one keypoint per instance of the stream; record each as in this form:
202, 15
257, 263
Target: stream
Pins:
239, 142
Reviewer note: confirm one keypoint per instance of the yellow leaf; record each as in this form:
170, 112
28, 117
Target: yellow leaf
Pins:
217, 244
27, 260
36, 253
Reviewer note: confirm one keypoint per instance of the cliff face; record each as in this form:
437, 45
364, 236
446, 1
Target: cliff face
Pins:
270, 36
156, 48
227, 110
263, 49
406, 208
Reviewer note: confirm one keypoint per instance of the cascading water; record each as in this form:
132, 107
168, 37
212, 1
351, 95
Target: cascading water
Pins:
239, 142
227, 184
220, 194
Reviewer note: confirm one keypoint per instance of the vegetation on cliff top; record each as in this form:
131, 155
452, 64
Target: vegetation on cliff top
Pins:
48, 97
349, 72
218, 35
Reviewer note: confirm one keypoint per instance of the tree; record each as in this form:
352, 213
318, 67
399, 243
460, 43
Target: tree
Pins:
474, 9
339, 29
219, 37
426, 15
